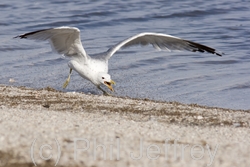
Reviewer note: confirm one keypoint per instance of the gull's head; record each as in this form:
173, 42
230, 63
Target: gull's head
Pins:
106, 80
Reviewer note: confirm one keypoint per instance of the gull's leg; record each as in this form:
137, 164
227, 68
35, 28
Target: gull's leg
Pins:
67, 80
104, 92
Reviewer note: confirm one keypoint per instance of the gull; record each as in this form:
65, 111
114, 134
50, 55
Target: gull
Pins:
66, 41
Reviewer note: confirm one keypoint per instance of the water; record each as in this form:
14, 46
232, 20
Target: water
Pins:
139, 72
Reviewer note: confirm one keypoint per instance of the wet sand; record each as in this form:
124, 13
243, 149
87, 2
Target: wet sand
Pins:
47, 128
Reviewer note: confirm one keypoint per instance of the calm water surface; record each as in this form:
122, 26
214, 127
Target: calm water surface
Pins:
139, 72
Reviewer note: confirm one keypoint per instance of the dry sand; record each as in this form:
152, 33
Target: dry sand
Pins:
51, 128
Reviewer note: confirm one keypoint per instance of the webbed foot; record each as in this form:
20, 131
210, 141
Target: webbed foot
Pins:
104, 92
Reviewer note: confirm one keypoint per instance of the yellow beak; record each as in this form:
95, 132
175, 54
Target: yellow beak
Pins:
112, 82
109, 84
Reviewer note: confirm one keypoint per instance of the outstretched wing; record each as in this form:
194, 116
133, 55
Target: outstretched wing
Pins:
63, 40
161, 42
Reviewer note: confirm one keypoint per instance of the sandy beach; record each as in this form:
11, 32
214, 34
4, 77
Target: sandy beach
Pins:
51, 128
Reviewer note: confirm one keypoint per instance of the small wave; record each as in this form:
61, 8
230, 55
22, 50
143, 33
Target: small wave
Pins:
218, 62
193, 13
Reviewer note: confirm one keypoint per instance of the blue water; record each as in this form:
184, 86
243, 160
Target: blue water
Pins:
139, 72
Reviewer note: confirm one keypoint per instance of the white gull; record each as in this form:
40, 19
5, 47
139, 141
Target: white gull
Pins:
66, 41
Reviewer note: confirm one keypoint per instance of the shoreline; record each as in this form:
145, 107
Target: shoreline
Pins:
48, 115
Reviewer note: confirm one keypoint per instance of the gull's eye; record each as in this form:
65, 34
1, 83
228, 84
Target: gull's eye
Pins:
103, 78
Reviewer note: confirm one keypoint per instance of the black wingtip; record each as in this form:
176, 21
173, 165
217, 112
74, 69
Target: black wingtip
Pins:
24, 36
20, 36
202, 48
219, 53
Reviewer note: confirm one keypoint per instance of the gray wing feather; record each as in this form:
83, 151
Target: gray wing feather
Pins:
161, 42
63, 40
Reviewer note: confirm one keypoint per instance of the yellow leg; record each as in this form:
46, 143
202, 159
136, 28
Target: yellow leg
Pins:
67, 80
